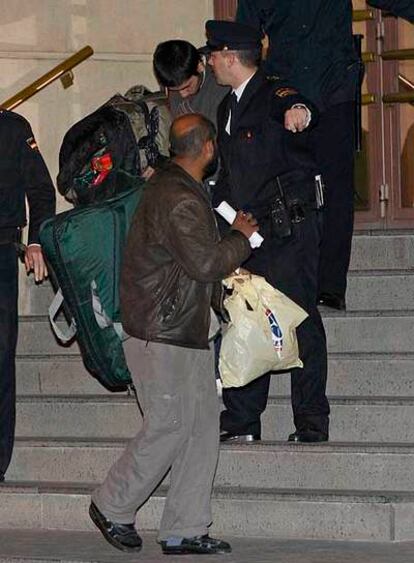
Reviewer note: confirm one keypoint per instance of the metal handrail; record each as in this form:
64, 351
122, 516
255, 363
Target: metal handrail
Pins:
368, 99
363, 15
398, 98
62, 71
406, 82
398, 55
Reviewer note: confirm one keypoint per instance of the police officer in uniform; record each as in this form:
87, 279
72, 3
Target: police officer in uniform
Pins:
311, 46
268, 170
23, 174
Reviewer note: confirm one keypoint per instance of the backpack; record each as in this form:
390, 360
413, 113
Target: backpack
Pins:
107, 151
84, 249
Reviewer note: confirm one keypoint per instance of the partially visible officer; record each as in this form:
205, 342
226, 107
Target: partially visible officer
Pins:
311, 47
23, 174
268, 170
191, 87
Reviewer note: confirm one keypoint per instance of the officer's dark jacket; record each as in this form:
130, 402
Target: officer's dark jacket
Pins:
401, 8
172, 258
23, 173
260, 148
311, 44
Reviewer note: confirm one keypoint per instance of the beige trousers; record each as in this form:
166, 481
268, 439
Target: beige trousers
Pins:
177, 393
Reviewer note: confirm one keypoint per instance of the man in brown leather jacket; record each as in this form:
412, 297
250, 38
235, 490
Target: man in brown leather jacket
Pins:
173, 259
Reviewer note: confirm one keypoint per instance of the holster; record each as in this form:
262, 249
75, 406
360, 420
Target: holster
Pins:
289, 197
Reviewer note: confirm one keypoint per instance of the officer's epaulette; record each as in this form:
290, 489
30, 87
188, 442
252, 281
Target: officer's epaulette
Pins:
284, 92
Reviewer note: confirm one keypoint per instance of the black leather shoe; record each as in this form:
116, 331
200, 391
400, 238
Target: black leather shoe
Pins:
307, 436
121, 536
333, 301
1, 477
199, 544
240, 438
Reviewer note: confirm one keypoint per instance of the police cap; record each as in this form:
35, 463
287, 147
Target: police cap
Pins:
231, 36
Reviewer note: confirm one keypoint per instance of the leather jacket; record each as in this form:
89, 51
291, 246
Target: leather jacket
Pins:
172, 259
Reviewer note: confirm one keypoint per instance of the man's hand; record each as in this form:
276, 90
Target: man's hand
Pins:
35, 262
245, 223
296, 119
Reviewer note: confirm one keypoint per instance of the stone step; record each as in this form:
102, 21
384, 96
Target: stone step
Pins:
90, 547
367, 291
55, 375
267, 465
352, 419
378, 291
381, 250
328, 515
363, 332
349, 376
363, 375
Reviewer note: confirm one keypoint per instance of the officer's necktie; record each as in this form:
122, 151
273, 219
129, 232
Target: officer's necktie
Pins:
233, 111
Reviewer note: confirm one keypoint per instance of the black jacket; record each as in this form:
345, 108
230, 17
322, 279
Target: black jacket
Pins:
23, 173
260, 148
172, 258
311, 44
401, 8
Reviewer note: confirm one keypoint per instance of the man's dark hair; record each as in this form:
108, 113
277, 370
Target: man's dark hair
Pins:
250, 57
174, 62
191, 142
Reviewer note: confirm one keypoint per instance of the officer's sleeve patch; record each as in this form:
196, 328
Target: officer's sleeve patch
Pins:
31, 141
284, 92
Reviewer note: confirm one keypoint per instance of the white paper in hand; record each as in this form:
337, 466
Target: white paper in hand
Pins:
229, 214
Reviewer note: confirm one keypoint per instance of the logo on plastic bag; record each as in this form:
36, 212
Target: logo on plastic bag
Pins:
277, 334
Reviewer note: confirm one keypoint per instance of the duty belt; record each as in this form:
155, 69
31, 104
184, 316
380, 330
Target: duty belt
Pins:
287, 199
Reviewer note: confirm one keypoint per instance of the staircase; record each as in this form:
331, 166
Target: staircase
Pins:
359, 486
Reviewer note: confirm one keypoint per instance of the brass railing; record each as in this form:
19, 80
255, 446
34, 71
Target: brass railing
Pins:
368, 99
62, 71
363, 15
398, 55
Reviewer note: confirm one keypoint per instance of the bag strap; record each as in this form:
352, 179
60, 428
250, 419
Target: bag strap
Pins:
63, 335
101, 315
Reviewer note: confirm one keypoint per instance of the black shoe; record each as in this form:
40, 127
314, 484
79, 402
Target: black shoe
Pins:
240, 438
1, 477
308, 436
198, 544
121, 536
333, 301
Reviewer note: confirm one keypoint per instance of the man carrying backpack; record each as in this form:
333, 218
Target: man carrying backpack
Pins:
23, 174
173, 264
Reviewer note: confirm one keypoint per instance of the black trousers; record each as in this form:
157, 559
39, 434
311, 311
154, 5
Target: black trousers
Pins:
8, 341
333, 142
291, 265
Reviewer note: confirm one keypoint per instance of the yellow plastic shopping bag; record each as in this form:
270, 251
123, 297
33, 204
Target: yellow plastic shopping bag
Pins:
261, 334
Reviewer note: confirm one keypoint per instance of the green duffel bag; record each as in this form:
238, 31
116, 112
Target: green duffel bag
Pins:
84, 249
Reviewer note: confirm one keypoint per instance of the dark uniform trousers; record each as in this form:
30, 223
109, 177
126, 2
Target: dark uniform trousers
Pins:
8, 340
291, 265
333, 142
258, 150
